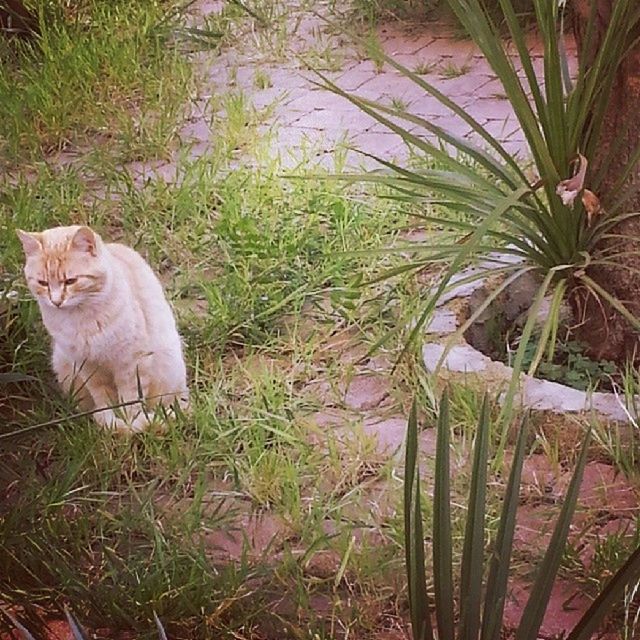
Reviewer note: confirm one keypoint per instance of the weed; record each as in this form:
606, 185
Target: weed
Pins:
325, 58
261, 80
571, 367
373, 50
451, 70
263, 273
253, 251
399, 104
424, 68
371, 11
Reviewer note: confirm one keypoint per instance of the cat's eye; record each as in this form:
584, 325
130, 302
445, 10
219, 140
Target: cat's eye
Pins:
43, 283
71, 281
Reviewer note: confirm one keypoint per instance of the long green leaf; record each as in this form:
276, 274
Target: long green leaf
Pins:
24, 632
538, 600
162, 634
614, 302
459, 111
442, 548
423, 145
496, 591
74, 625
613, 592
514, 382
471, 571
458, 259
414, 536
461, 144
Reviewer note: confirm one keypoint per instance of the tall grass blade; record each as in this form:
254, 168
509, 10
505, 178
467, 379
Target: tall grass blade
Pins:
496, 591
538, 601
442, 548
473, 548
629, 573
414, 536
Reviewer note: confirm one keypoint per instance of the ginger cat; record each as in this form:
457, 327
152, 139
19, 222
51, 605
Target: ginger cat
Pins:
113, 331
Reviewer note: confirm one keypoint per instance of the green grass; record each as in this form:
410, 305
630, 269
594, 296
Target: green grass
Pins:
265, 273
249, 259
98, 71
373, 11
451, 70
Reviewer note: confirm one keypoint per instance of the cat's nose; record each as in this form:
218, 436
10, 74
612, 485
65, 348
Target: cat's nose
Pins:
56, 298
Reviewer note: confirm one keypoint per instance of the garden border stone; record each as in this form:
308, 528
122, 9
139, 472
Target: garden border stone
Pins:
464, 361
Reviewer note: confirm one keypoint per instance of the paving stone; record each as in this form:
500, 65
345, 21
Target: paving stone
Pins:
348, 120
459, 51
463, 85
395, 41
425, 105
313, 123
366, 392
390, 433
443, 321
502, 129
384, 84
385, 145
486, 108
199, 130
320, 99
254, 532
355, 78
603, 487
567, 603
461, 358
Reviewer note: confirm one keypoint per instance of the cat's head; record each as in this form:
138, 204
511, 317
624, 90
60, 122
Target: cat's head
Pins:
65, 266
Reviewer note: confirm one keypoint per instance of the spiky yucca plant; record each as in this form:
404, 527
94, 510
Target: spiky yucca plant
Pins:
519, 224
481, 603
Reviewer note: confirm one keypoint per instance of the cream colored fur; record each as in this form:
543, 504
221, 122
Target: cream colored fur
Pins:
113, 330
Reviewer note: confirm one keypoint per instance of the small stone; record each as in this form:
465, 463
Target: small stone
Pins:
462, 358
544, 395
443, 321
323, 564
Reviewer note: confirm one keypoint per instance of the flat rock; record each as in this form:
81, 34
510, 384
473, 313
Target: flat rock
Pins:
443, 321
257, 531
390, 433
461, 358
366, 392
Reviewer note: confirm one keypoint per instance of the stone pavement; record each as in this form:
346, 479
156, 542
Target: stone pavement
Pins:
272, 69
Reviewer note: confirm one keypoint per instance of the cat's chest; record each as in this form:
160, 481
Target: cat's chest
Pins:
91, 340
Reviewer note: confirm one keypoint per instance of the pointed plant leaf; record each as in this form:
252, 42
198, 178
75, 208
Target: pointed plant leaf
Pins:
162, 635
471, 572
24, 632
538, 600
75, 626
414, 537
612, 593
496, 591
442, 551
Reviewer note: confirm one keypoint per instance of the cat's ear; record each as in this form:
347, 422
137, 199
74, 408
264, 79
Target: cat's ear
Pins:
30, 242
85, 240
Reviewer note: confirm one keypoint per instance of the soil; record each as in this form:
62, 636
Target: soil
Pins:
497, 332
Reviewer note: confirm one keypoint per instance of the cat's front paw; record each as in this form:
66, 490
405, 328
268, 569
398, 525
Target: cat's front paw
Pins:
141, 421
107, 418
